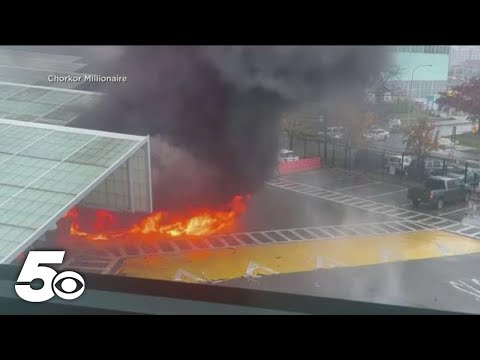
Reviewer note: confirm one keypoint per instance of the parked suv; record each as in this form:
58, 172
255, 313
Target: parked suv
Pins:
439, 190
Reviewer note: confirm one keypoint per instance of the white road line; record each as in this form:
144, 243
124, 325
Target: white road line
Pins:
461, 231
337, 198
287, 186
455, 224
315, 193
379, 230
358, 202
342, 233
407, 217
311, 191
359, 229
392, 211
329, 232
377, 208
451, 212
387, 193
281, 235
330, 196
414, 216
439, 225
408, 227
361, 203
357, 186
314, 236
405, 204
432, 223
422, 226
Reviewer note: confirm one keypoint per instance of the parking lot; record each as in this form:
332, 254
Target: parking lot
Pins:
383, 190
324, 218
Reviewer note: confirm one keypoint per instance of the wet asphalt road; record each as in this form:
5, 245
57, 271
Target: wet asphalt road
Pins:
446, 284
276, 208
395, 144
450, 279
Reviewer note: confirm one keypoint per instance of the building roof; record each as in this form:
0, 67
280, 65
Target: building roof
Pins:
13, 53
42, 104
33, 68
26, 93
45, 170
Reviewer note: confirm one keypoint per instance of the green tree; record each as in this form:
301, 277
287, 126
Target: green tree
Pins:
420, 138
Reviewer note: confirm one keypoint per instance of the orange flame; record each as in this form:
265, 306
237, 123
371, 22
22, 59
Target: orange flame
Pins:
162, 224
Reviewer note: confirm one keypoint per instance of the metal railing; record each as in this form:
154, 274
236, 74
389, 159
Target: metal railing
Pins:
376, 159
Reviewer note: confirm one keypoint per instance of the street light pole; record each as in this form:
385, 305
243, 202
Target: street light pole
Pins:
410, 90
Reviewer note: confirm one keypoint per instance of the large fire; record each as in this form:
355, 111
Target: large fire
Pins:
161, 224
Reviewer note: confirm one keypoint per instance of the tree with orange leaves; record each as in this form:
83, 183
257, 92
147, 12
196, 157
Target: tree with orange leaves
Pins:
464, 97
420, 138
360, 125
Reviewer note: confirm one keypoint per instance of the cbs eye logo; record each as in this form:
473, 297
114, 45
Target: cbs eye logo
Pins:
67, 285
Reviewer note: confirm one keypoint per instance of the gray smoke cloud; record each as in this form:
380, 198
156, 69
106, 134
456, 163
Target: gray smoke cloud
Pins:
214, 111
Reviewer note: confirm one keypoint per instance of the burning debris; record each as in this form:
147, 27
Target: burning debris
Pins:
217, 109
213, 114
190, 224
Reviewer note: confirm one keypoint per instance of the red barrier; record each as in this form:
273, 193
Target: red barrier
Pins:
288, 167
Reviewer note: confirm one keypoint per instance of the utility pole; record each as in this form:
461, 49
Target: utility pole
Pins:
325, 137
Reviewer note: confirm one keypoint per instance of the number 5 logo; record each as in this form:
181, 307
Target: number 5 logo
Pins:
68, 285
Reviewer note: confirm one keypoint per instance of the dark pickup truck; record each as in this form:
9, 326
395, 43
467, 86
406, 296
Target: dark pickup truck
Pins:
439, 190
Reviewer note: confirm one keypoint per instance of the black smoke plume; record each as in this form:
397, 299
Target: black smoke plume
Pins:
213, 111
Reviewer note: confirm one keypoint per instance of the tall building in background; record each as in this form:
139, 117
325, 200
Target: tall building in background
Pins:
429, 67
464, 63
459, 55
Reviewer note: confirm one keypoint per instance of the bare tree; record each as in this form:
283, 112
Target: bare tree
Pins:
385, 83
294, 126
301, 122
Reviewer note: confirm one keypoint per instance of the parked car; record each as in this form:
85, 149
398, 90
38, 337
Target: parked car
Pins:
439, 190
376, 134
394, 125
458, 172
288, 155
334, 133
395, 161
447, 143
419, 171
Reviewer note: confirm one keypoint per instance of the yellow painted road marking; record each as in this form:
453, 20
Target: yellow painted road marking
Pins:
230, 263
